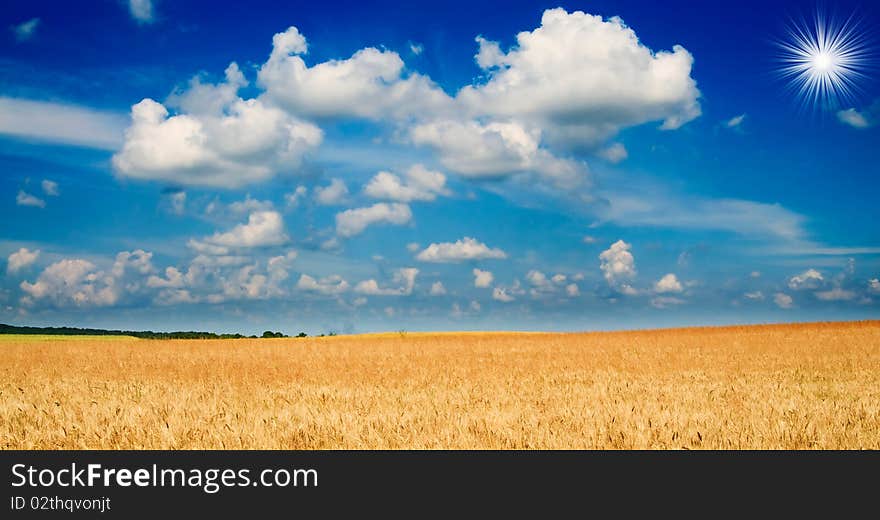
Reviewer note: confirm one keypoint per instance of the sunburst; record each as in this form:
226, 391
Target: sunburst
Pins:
824, 61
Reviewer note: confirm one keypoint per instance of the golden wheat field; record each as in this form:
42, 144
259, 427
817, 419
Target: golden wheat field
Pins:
779, 386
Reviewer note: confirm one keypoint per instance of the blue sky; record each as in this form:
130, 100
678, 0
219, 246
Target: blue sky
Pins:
346, 167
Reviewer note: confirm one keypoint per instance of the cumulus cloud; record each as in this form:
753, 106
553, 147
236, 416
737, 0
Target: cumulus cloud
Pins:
370, 84
61, 123
332, 194
501, 294
177, 202
293, 198
217, 140
874, 285
614, 154
419, 184
26, 199
618, 264
542, 79
856, 119
353, 222
438, 289
50, 188
668, 284
809, 279
465, 249
263, 228
783, 301
329, 285
483, 279
78, 282
141, 11
572, 290
21, 259
496, 149
405, 279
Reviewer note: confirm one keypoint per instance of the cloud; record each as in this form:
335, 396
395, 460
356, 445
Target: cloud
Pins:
494, 150
618, 264
21, 259
809, 279
614, 154
437, 289
50, 188
855, 119
669, 283
874, 285
501, 294
217, 140
79, 283
783, 301
26, 199
176, 201
460, 250
543, 79
756, 295
25, 30
328, 285
662, 302
332, 194
61, 123
405, 277
250, 205
141, 11
416, 48
420, 184
263, 228
353, 222
370, 84
589, 239
835, 294
735, 122
293, 198
483, 279
572, 290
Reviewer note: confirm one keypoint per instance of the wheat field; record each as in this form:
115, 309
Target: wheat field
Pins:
805, 386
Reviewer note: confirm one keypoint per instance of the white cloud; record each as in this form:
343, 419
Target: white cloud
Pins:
835, 294
501, 294
370, 84
21, 259
662, 302
250, 205
614, 154
416, 48
559, 278
405, 278
756, 295
293, 198
332, 194
420, 184
437, 289
543, 79
330, 285
572, 290
540, 283
668, 283
809, 279
26, 199
874, 285
141, 10
353, 222
854, 118
177, 202
783, 301
735, 122
62, 123
483, 279
263, 228
221, 141
618, 264
460, 250
25, 30
495, 150
589, 239
50, 188
412, 247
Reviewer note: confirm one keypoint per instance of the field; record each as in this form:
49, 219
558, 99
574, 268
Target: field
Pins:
809, 386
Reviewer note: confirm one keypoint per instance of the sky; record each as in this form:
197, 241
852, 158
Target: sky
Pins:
342, 167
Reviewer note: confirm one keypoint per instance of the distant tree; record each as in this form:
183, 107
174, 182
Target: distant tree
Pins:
302, 335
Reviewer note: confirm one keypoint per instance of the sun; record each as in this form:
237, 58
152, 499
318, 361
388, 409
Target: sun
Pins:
824, 61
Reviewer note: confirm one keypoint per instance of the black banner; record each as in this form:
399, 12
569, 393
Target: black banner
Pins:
229, 484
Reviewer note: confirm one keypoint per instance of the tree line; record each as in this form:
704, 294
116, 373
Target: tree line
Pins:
145, 334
